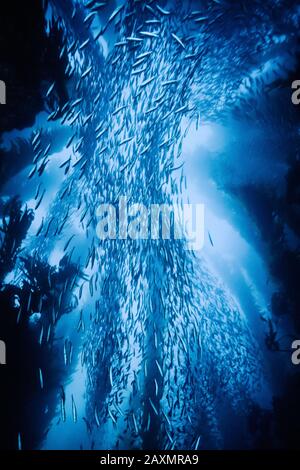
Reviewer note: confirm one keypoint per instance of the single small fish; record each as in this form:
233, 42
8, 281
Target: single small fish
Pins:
112, 416
43, 165
151, 110
29, 302
19, 316
121, 43
40, 228
197, 443
19, 441
41, 335
103, 149
32, 172
178, 40
162, 10
169, 436
174, 168
149, 7
137, 63
65, 352
37, 156
36, 137
114, 13
37, 191
148, 422
153, 22
101, 133
143, 55
159, 368
181, 109
76, 102
50, 89
48, 333
62, 404
149, 34
134, 39
153, 406
99, 5
63, 49
146, 82
75, 118
68, 144
47, 150
40, 200
120, 108
135, 423
111, 377
52, 115
85, 121
90, 16
41, 379
201, 19
70, 352
89, 4
97, 417
125, 141
74, 410
48, 227
68, 242
80, 325
84, 44
169, 82
87, 72
138, 71
166, 417
173, 445
145, 150
156, 387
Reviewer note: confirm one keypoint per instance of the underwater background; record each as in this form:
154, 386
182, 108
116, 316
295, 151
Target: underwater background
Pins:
143, 344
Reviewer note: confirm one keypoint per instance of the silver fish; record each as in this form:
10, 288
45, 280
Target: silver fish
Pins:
74, 410
41, 379
178, 40
50, 89
162, 10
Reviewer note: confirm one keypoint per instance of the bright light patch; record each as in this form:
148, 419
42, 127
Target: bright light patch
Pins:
55, 257
209, 136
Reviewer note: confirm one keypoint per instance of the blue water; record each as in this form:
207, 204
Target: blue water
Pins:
180, 335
